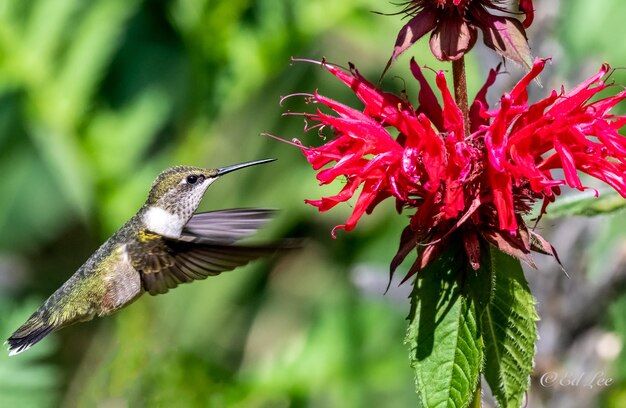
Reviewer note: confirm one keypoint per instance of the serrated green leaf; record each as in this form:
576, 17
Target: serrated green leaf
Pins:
587, 205
443, 337
509, 330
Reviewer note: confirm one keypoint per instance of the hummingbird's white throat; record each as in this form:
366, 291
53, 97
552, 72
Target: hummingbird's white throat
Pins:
163, 222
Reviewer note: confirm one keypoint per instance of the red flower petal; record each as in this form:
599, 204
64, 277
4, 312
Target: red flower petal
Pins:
475, 185
479, 106
526, 7
428, 102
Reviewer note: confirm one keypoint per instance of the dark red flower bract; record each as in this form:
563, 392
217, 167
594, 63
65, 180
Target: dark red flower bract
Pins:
454, 26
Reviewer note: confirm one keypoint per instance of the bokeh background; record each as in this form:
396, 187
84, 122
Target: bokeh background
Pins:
97, 97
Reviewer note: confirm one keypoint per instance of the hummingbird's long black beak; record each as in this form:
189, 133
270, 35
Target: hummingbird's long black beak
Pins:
224, 170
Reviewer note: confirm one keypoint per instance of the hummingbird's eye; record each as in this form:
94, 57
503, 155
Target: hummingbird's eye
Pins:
193, 179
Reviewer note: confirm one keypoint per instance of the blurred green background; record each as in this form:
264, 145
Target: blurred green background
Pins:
96, 98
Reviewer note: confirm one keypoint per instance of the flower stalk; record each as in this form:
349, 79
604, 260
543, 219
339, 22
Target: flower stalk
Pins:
460, 91
477, 401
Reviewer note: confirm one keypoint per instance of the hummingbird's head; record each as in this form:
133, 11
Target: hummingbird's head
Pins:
176, 194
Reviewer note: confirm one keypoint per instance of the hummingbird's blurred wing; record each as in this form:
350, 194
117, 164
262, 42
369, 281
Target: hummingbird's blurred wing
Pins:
165, 263
225, 226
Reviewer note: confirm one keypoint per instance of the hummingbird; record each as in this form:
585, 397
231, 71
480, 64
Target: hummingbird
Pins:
165, 244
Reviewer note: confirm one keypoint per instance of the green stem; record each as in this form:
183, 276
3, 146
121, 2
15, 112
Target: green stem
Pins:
477, 401
460, 90
460, 97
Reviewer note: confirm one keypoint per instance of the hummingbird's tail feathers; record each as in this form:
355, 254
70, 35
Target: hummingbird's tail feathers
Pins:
226, 226
30, 333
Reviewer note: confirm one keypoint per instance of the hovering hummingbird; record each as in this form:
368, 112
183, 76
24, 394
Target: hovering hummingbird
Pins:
163, 245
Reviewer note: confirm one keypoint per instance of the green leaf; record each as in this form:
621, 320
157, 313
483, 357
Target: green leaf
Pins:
509, 330
587, 205
445, 344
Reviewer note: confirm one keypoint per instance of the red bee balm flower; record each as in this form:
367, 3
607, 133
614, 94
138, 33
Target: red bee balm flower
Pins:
477, 185
455, 24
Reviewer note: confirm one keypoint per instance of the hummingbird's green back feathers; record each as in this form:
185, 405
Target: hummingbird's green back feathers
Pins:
160, 247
